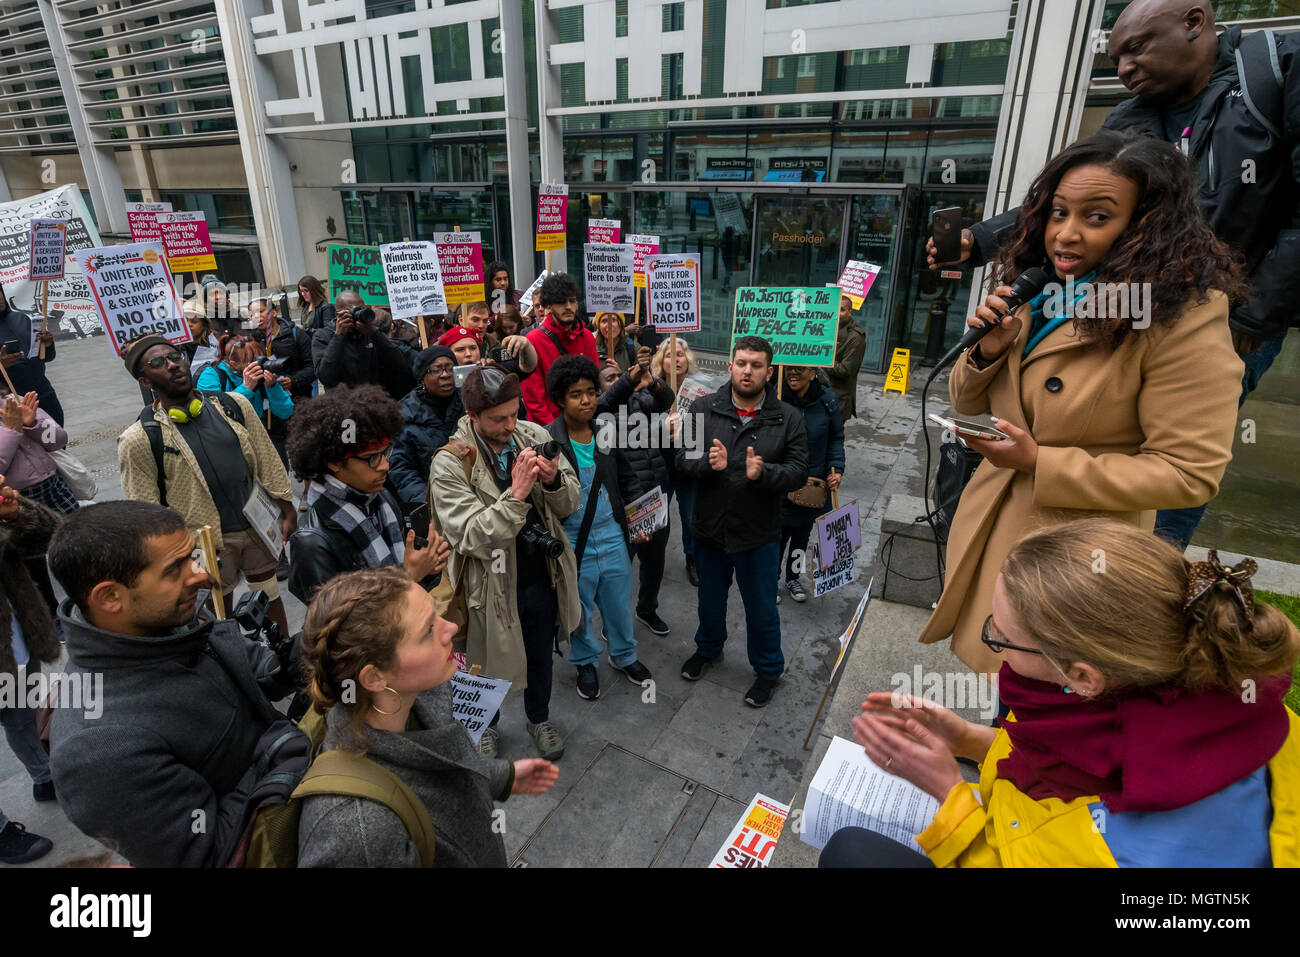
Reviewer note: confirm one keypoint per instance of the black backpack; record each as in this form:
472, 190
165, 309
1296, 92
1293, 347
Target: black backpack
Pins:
1260, 75
154, 433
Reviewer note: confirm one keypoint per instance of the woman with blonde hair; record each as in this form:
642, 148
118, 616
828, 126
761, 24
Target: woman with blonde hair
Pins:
682, 485
379, 663
1147, 725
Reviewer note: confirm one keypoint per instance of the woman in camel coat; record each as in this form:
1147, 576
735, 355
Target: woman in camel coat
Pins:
1116, 417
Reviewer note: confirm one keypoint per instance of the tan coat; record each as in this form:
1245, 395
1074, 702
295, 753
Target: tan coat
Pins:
187, 489
481, 523
1147, 426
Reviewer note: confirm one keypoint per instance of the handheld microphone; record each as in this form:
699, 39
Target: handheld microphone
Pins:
1027, 285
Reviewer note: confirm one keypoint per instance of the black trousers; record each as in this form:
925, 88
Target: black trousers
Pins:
651, 555
858, 847
538, 608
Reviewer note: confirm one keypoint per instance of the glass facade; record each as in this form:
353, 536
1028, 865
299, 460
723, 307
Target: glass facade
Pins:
772, 194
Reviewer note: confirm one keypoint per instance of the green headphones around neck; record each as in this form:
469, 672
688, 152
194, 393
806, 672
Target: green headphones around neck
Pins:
182, 416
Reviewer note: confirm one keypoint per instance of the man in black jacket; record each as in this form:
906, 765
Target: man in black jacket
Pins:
757, 452
354, 352
1242, 135
184, 744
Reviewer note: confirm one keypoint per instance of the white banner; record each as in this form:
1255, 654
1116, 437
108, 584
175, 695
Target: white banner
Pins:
414, 280
608, 277
71, 310
133, 292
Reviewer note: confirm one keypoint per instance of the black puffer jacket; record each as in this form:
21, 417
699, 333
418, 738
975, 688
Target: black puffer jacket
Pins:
294, 345
1259, 215
641, 468
430, 423
732, 512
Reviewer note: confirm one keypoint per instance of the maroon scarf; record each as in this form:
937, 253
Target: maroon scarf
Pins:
1139, 749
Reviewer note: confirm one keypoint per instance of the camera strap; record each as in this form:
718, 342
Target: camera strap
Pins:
588, 516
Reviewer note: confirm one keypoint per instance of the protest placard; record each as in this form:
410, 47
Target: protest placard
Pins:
526, 300
846, 636
647, 513
460, 256
642, 245
552, 215
673, 292
857, 279
838, 537
132, 289
413, 279
753, 839
68, 306
608, 277
185, 241
46, 249
604, 231
359, 269
142, 219
475, 699
798, 321
694, 386
727, 213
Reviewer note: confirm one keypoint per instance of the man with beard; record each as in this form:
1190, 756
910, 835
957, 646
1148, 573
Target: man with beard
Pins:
560, 333
355, 352
758, 452
27, 375
212, 449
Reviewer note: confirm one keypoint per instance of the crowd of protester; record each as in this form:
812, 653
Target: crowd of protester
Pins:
460, 503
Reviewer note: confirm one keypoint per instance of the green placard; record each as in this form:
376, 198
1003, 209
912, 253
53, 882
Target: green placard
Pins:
360, 269
799, 321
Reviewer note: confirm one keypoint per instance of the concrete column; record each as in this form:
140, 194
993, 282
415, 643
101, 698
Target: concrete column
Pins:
5, 195
1042, 102
266, 164
98, 160
550, 130
521, 197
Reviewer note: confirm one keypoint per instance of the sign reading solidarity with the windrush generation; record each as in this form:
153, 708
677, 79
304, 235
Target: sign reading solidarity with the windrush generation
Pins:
460, 256
414, 280
46, 247
133, 291
642, 246
604, 231
856, 280
552, 215
608, 277
673, 292
143, 220
359, 269
798, 321
186, 242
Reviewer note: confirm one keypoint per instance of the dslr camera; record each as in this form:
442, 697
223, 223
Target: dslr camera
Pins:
547, 450
273, 364
535, 539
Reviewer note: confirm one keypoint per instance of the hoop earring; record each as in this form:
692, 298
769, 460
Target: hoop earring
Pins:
388, 713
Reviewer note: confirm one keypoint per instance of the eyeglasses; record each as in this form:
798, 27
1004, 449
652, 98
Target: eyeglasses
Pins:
374, 460
998, 645
441, 369
157, 362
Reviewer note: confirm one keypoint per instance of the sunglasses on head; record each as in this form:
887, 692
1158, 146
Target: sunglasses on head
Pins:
157, 362
997, 644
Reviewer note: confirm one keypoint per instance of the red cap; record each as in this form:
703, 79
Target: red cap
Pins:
453, 336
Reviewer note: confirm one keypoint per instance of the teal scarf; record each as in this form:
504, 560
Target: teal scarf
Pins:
1042, 324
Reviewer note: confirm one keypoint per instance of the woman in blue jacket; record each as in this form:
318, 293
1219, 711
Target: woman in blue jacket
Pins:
240, 371
821, 415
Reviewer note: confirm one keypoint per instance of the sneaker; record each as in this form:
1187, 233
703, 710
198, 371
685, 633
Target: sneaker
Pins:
795, 588
549, 742
653, 622
636, 672
761, 692
691, 574
18, 845
588, 682
490, 742
43, 792
693, 667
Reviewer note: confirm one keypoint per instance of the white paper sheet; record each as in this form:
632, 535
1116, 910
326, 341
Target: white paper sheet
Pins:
849, 791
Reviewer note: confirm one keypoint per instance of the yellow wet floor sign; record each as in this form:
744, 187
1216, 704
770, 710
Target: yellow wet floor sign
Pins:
899, 370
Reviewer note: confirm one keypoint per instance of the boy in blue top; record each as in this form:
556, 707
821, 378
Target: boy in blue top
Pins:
598, 529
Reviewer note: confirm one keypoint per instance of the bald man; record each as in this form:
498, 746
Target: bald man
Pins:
1244, 145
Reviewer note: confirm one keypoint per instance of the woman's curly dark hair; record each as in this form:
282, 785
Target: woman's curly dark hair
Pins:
317, 430
1167, 242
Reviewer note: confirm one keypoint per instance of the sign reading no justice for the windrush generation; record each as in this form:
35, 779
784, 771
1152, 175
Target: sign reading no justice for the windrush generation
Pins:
799, 321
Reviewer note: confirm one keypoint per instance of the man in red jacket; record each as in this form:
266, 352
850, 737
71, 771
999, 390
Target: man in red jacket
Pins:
560, 333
